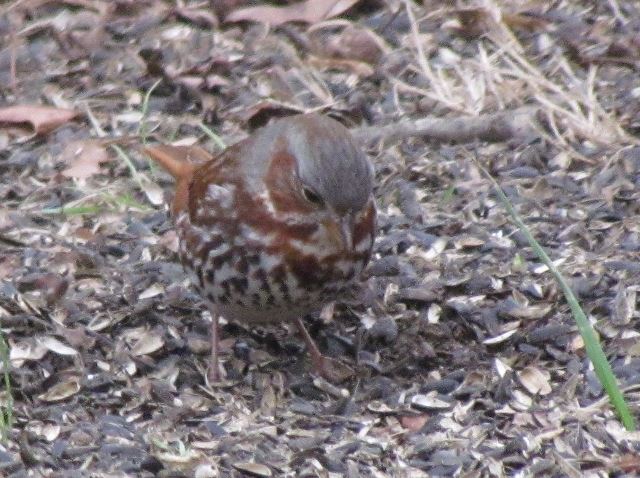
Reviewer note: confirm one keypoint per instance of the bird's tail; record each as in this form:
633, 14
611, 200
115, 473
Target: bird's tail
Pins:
181, 162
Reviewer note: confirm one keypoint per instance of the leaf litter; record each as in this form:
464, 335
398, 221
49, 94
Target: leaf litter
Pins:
467, 359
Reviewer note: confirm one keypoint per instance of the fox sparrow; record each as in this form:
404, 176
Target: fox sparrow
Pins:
276, 225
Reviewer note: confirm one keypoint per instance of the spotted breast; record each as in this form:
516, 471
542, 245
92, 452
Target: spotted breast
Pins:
276, 225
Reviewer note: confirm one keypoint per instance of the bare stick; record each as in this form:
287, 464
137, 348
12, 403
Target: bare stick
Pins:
494, 127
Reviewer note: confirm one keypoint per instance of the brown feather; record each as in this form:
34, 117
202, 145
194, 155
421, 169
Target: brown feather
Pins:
178, 161
260, 249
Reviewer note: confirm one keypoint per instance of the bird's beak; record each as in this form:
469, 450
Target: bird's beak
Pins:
341, 232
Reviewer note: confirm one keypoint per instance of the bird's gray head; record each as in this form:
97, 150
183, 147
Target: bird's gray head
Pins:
315, 172
335, 178
331, 166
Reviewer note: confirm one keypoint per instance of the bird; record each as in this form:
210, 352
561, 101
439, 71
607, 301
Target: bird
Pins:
275, 226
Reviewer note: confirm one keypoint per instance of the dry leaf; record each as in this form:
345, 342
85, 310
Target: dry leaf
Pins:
197, 16
154, 193
61, 391
42, 119
53, 344
178, 460
522, 21
8, 266
377, 406
170, 240
629, 463
255, 469
413, 422
147, 344
309, 11
535, 380
77, 337
624, 305
206, 470
473, 22
434, 313
48, 431
521, 401
501, 367
52, 286
429, 401
358, 68
223, 7
27, 350
152, 291
529, 311
84, 158
499, 338
353, 43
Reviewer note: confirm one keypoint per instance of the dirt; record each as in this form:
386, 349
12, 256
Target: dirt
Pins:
467, 359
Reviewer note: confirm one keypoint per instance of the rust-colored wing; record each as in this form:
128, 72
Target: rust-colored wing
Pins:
215, 185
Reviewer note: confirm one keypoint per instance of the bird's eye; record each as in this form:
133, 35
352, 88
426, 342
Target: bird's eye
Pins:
312, 197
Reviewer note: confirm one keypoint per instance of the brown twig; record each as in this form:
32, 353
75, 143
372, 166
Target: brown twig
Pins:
493, 127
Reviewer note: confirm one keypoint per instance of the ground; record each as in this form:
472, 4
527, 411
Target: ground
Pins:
467, 359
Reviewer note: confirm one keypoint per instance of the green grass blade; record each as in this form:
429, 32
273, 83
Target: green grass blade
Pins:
592, 345
129, 201
72, 210
127, 160
142, 130
214, 137
6, 412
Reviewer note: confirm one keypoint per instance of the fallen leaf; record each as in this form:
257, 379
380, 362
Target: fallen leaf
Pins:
84, 158
429, 401
309, 11
197, 16
48, 431
27, 350
353, 43
52, 286
358, 68
223, 7
51, 431
77, 337
169, 240
629, 463
152, 291
521, 401
8, 267
499, 338
42, 119
624, 305
176, 460
254, 469
206, 470
413, 422
53, 344
61, 391
154, 193
379, 407
528, 311
536, 381
147, 344
473, 22
501, 367
522, 21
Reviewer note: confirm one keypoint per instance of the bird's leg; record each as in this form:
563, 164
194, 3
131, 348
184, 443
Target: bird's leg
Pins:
213, 373
328, 368
316, 356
